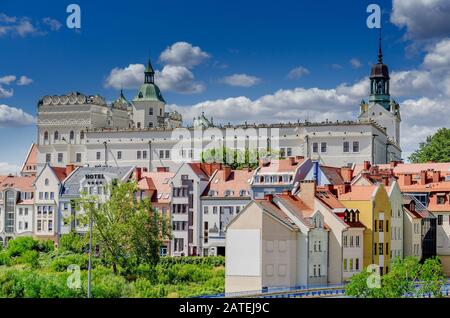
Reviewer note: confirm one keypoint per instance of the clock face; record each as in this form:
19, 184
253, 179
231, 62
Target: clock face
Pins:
47, 100
72, 99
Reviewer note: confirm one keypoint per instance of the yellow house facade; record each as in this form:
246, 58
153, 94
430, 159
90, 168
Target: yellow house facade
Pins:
375, 213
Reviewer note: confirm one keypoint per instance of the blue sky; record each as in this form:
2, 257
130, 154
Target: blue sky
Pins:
231, 54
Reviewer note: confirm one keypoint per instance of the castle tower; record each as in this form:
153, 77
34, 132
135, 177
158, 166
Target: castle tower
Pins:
380, 107
148, 105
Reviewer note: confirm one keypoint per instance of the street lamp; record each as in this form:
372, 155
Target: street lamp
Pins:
91, 202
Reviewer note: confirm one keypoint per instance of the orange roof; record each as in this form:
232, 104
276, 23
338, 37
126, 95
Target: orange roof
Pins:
237, 180
282, 165
272, 209
438, 207
160, 182
296, 205
329, 199
32, 157
146, 183
417, 167
359, 193
20, 183
443, 186
60, 173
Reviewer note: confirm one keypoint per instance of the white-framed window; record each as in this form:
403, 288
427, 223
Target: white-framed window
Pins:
60, 157
48, 157
138, 154
78, 157
119, 155
323, 147
356, 146
99, 155
346, 146
315, 147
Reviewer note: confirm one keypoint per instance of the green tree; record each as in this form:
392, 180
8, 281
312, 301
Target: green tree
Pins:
436, 148
407, 277
127, 230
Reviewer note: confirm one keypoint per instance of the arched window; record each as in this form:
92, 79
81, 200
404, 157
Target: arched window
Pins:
45, 135
82, 135
71, 135
56, 135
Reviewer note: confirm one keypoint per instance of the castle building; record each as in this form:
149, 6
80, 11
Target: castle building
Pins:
85, 130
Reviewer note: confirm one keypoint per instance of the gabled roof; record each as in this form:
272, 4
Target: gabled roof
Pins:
281, 165
199, 170
297, 207
327, 198
146, 183
333, 174
236, 181
360, 193
60, 173
160, 180
32, 157
420, 209
270, 208
17, 182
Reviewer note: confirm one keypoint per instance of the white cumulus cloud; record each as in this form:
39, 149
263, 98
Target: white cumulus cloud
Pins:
423, 19
242, 80
355, 63
14, 117
298, 72
8, 168
183, 54
177, 79
24, 80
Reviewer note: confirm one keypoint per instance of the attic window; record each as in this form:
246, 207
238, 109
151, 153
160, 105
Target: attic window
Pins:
243, 193
212, 193
228, 193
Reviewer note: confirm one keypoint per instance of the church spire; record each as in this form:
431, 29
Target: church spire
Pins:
149, 73
380, 52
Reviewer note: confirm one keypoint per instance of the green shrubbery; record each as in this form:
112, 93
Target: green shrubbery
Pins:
33, 269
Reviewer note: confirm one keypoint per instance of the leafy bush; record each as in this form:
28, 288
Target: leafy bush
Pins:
213, 261
29, 257
73, 242
62, 262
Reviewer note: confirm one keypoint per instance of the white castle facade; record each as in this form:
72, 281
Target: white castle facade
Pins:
85, 130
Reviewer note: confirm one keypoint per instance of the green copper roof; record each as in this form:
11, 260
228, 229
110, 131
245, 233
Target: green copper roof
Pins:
149, 92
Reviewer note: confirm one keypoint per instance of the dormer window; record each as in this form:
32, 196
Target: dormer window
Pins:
243, 193
140, 95
211, 193
229, 193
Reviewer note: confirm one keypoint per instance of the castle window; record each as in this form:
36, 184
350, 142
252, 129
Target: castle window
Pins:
56, 136
346, 146
46, 135
82, 135
71, 135
140, 95
160, 112
150, 111
315, 147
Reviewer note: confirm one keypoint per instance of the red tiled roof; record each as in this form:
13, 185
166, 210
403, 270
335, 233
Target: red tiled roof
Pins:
282, 165
333, 174
237, 180
146, 183
296, 205
60, 173
359, 193
32, 157
329, 199
20, 183
161, 183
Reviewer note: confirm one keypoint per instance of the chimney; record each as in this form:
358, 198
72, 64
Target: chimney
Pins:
436, 176
366, 165
308, 192
343, 188
137, 173
347, 174
69, 169
423, 177
393, 164
292, 161
268, 197
405, 179
162, 169
227, 172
